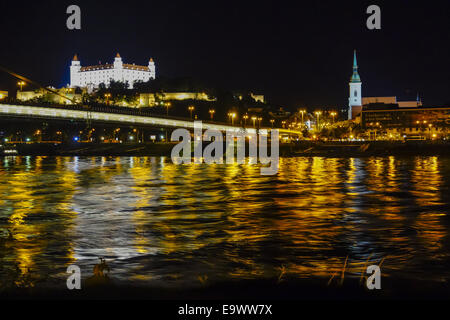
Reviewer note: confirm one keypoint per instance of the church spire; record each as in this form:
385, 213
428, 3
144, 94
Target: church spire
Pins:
355, 76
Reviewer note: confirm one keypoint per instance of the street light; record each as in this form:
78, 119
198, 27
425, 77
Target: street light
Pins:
302, 112
259, 122
318, 113
232, 115
191, 108
272, 122
211, 113
245, 117
333, 114
107, 96
168, 105
254, 119
21, 84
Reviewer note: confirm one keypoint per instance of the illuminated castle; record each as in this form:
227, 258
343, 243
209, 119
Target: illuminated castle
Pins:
92, 76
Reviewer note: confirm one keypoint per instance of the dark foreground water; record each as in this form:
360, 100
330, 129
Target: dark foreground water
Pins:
163, 225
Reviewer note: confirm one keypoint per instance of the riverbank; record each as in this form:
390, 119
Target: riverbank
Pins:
269, 289
302, 148
368, 149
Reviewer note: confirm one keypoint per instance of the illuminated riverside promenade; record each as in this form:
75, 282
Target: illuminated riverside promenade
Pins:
113, 116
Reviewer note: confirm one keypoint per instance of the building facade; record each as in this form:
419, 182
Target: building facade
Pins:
43, 95
93, 76
392, 100
155, 99
395, 121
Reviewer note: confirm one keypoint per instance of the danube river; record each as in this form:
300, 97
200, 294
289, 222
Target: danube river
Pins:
163, 225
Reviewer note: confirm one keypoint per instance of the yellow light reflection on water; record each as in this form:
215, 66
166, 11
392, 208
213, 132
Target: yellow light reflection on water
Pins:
224, 219
427, 182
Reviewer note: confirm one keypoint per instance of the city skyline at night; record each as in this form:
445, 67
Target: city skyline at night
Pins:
225, 159
298, 56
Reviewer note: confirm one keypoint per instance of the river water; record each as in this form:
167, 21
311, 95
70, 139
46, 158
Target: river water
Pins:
160, 224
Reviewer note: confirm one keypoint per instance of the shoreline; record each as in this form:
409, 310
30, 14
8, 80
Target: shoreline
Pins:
297, 149
272, 289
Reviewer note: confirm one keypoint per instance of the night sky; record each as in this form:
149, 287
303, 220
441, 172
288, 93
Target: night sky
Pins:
296, 54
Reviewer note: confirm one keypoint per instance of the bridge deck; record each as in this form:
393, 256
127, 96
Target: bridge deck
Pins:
123, 118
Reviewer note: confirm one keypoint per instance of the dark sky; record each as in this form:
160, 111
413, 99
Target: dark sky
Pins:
296, 53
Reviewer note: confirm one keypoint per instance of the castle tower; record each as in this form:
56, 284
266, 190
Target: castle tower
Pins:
355, 97
118, 64
118, 69
75, 72
152, 69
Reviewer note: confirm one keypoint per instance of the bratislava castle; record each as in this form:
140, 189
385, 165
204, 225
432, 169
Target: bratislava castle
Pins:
92, 76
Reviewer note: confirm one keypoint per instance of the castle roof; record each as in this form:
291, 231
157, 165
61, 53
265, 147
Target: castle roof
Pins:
75, 58
97, 67
111, 66
135, 67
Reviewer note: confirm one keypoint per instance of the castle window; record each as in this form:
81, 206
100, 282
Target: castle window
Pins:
356, 93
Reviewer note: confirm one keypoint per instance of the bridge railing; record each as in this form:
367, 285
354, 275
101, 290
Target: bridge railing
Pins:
105, 109
125, 111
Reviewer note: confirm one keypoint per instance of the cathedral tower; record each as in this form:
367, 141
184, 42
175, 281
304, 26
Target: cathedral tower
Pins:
355, 98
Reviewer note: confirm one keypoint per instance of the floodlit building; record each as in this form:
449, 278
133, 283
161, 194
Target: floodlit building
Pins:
385, 100
53, 96
392, 100
3, 94
154, 99
93, 76
256, 97
398, 122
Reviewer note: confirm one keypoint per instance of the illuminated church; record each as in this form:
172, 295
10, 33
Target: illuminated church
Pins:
92, 76
357, 103
355, 98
